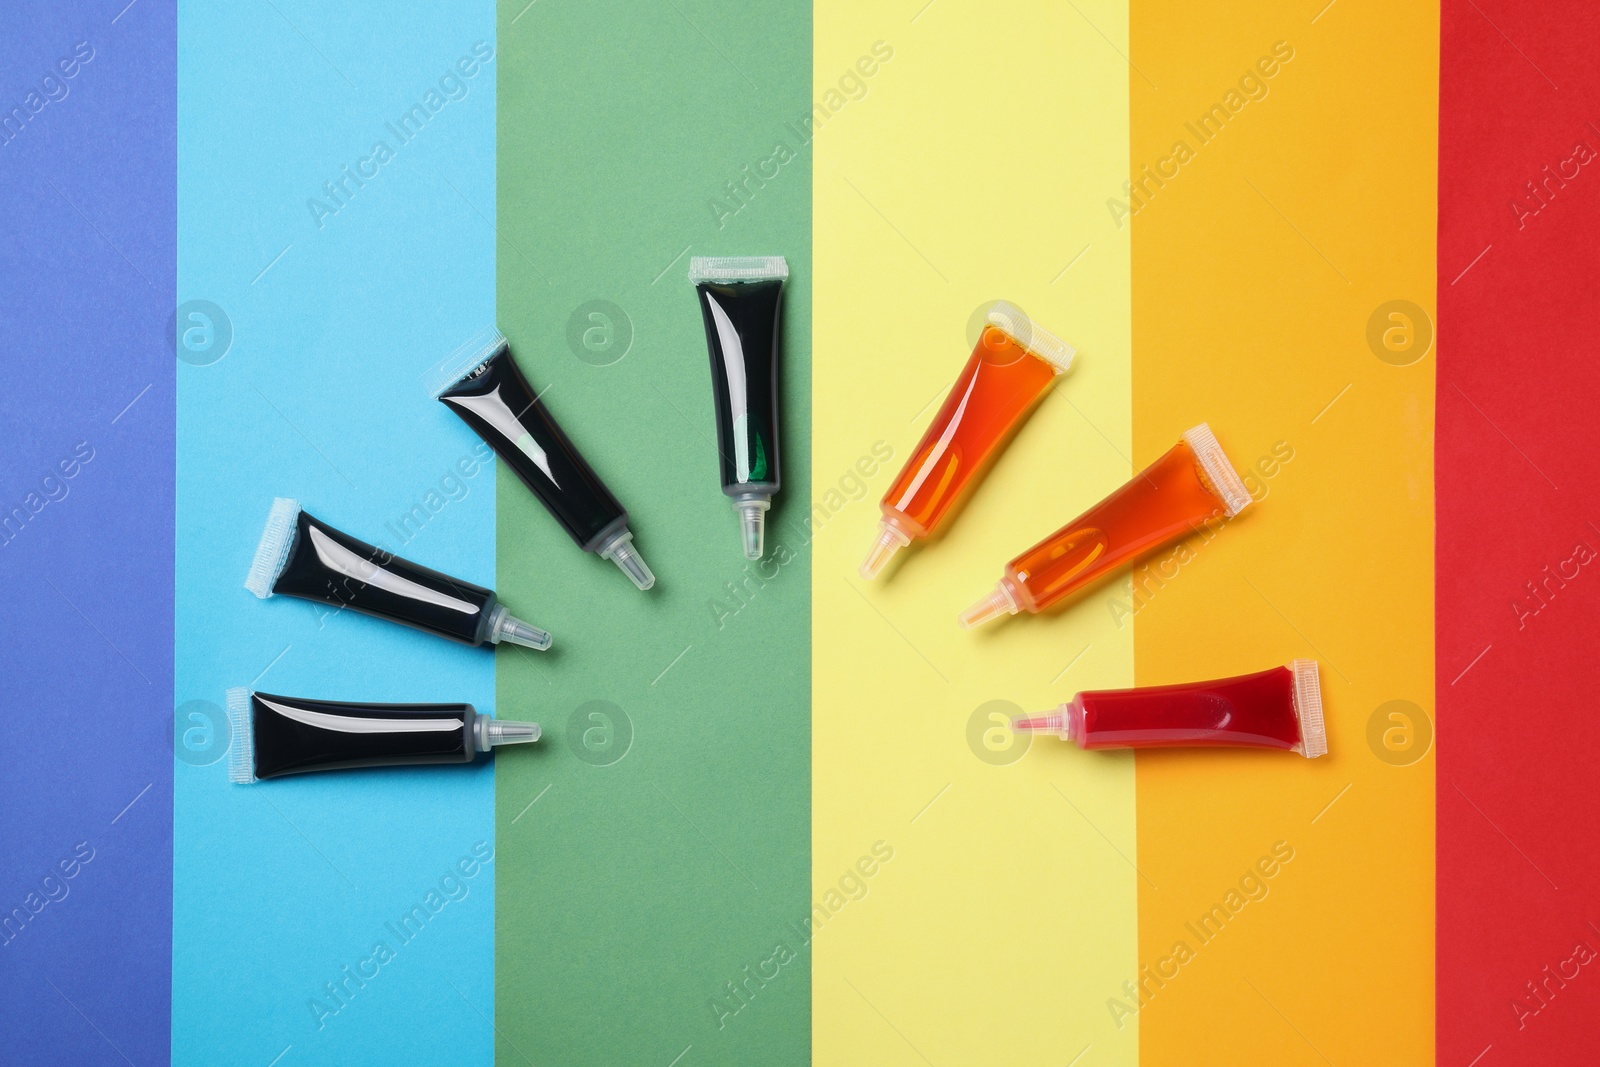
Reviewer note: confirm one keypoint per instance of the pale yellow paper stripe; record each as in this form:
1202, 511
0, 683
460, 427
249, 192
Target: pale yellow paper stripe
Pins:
974, 163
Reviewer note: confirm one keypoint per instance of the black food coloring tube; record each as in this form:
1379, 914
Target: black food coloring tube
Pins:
302, 556
481, 383
740, 298
276, 735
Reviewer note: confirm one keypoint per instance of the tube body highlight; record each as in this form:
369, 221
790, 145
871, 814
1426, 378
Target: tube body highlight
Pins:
740, 300
1012, 366
482, 384
301, 556
1279, 708
1189, 486
276, 735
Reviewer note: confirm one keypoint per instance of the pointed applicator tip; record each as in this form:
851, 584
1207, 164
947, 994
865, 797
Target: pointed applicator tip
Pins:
1058, 722
512, 629
621, 552
512, 732
999, 602
890, 541
504, 626
753, 526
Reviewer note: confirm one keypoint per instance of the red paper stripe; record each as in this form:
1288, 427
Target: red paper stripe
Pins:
1518, 493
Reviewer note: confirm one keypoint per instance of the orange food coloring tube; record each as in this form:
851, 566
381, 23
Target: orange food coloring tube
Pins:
1189, 486
1013, 364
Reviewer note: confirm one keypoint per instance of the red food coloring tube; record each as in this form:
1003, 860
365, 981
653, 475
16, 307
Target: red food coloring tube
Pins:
1279, 708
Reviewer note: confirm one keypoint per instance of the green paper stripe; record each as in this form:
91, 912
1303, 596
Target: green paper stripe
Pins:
632, 893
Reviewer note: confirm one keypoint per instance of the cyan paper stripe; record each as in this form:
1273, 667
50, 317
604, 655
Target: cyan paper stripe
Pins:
336, 237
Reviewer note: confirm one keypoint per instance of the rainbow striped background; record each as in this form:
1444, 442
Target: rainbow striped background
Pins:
774, 820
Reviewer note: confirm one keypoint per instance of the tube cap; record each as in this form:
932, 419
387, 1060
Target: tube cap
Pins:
999, 602
890, 540
504, 626
619, 550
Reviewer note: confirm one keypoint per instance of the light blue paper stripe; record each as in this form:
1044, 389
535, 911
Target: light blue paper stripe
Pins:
339, 297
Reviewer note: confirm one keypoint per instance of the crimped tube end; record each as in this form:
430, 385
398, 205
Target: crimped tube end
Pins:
1308, 708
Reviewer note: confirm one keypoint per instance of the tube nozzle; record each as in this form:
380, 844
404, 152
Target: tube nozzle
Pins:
504, 626
512, 732
489, 733
619, 550
1053, 723
890, 540
999, 602
752, 512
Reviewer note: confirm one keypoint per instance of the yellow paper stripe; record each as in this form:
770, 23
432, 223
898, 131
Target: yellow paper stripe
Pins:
972, 164
1306, 205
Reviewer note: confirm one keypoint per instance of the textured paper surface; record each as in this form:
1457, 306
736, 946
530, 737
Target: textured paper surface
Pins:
656, 848
975, 167
86, 283
1517, 607
671, 838
1255, 273
284, 888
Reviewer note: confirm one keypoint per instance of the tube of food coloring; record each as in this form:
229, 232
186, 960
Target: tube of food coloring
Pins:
276, 735
1013, 364
1278, 708
1178, 494
301, 556
740, 298
482, 384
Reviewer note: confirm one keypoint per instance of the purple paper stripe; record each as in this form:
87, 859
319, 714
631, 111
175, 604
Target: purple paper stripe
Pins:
87, 279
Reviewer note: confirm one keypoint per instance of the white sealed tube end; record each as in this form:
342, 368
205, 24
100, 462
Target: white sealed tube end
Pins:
618, 548
242, 749
737, 268
999, 602
1219, 473
277, 539
752, 513
1308, 708
454, 367
1030, 335
891, 539
504, 626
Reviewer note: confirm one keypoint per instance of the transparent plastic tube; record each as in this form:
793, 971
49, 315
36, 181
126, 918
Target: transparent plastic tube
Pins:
1279, 708
1011, 367
482, 384
301, 556
277, 735
740, 298
1189, 486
